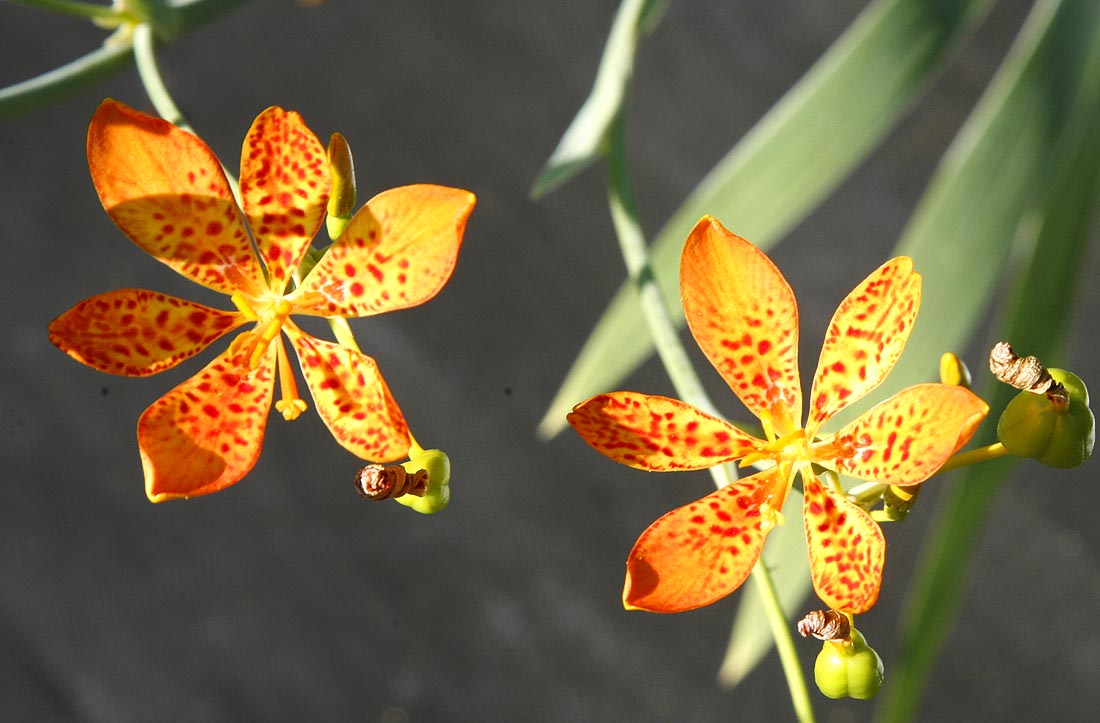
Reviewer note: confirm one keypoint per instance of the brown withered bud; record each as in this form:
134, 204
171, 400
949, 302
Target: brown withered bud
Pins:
381, 482
1026, 373
825, 625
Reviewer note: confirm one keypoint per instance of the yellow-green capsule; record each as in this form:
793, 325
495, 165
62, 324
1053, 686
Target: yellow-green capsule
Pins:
848, 668
438, 466
1057, 431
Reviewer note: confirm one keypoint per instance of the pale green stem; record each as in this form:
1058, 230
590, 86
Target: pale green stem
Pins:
342, 331
868, 493
80, 9
784, 643
145, 57
972, 456
680, 370
146, 61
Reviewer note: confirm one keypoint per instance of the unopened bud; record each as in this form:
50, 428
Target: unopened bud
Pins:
341, 202
954, 371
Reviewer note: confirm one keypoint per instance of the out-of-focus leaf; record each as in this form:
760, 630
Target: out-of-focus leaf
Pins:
585, 140
794, 157
1060, 83
788, 563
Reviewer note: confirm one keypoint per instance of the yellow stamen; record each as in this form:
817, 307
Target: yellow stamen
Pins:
243, 306
291, 405
270, 332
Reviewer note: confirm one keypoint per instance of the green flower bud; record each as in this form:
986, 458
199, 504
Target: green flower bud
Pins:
438, 493
341, 202
1057, 430
848, 668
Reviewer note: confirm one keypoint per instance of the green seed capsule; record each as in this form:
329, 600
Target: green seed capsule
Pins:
1056, 433
848, 669
438, 466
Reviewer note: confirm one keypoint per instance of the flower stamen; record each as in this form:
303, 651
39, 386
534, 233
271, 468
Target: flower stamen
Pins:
291, 405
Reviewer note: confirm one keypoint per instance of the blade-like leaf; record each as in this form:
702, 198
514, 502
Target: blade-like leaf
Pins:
794, 157
1049, 277
962, 235
585, 140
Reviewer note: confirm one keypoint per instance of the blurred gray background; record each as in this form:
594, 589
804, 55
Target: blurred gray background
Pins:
290, 598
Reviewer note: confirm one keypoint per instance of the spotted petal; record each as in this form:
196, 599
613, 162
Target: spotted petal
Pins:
847, 549
397, 251
701, 552
135, 333
285, 182
657, 434
743, 314
906, 438
865, 338
352, 399
166, 190
206, 434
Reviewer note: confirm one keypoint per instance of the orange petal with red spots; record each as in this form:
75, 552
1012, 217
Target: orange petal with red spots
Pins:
743, 314
699, 553
847, 549
206, 434
166, 190
352, 399
906, 438
657, 434
135, 333
397, 252
865, 338
285, 183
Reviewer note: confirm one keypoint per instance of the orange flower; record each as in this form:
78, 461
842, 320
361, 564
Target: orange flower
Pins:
742, 313
166, 190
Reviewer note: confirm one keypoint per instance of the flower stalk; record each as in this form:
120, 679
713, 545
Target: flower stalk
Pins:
674, 357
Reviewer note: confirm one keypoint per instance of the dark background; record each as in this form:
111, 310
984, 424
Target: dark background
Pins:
287, 597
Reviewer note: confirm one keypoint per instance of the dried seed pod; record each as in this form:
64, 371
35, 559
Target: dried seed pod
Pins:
825, 625
381, 482
1026, 373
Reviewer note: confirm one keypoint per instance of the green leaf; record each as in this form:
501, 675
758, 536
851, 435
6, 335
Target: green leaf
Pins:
585, 140
787, 164
788, 562
1057, 79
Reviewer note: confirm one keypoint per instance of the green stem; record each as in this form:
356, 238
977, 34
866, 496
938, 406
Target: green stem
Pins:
151, 79
34, 93
784, 643
972, 456
80, 9
680, 370
868, 493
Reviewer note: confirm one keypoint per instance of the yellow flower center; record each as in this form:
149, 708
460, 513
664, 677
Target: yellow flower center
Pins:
271, 316
788, 448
